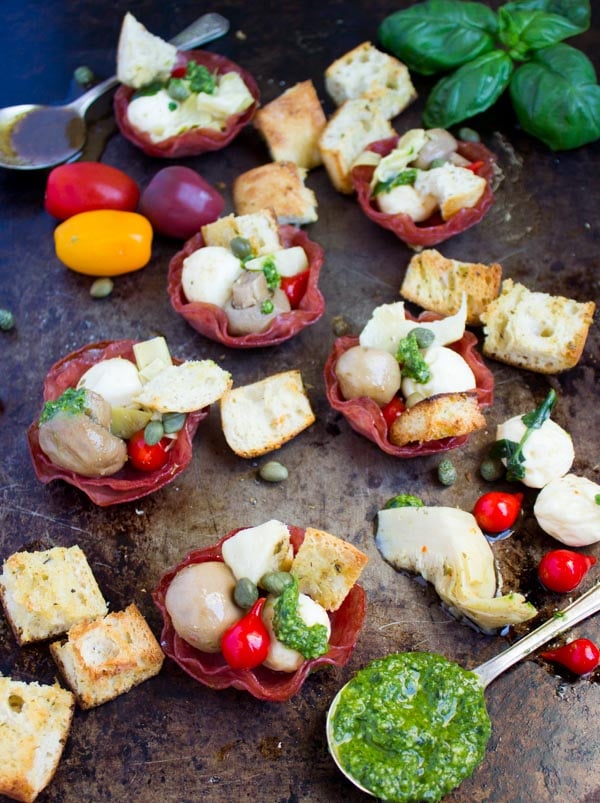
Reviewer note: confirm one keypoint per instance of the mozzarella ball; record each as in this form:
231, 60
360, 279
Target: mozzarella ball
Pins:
548, 451
567, 510
280, 657
368, 372
208, 275
450, 373
117, 380
200, 604
406, 200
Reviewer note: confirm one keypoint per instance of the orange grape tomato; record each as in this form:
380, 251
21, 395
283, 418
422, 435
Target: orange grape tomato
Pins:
104, 242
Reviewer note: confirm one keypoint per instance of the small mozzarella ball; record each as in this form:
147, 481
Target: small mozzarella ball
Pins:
200, 603
450, 373
567, 510
117, 380
548, 451
208, 275
363, 371
280, 657
405, 200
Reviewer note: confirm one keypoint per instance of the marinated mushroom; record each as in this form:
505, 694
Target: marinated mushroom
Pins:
253, 305
199, 601
370, 372
74, 433
440, 144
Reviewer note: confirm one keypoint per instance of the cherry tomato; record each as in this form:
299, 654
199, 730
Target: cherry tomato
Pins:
392, 410
178, 202
496, 511
246, 643
580, 656
474, 167
294, 287
84, 186
562, 569
105, 242
144, 457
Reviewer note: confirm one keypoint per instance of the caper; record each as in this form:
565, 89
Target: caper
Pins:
424, 337
7, 320
340, 326
275, 582
446, 472
101, 288
84, 76
173, 422
153, 432
413, 399
273, 472
177, 90
437, 163
241, 247
468, 135
245, 593
492, 469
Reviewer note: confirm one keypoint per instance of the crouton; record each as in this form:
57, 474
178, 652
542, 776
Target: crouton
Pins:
445, 415
278, 186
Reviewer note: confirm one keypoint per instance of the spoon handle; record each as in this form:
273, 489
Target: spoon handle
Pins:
587, 605
204, 29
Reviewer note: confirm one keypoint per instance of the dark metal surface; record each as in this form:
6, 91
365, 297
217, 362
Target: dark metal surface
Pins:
172, 739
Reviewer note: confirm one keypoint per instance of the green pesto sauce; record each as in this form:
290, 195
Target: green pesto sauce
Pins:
410, 727
311, 641
72, 402
411, 360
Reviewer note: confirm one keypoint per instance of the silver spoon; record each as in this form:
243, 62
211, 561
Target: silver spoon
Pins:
587, 605
63, 127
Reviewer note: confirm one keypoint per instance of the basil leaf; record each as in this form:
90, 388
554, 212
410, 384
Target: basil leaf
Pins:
557, 98
471, 89
536, 418
577, 11
525, 31
438, 35
402, 179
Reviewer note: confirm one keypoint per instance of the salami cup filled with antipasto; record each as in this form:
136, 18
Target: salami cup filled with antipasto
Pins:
414, 386
263, 608
425, 186
119, 418
178, 103
248, 282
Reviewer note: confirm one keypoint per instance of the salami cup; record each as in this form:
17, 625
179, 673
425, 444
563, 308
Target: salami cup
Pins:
434, 230
365, 416
212, 670
211, 320
128, 483
197, 140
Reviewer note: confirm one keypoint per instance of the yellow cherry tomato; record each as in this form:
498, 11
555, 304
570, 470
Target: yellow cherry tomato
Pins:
104, 242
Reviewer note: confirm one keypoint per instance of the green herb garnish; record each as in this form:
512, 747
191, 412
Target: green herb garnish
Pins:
172, 106
411, 360
403, 500
200, 78
267, 307
311, 641
597, 499
71, 402
150, 89
511, 451
271, 274
402, 179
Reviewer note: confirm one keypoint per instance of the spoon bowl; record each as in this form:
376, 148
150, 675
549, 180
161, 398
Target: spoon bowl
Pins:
35, 137
584, 607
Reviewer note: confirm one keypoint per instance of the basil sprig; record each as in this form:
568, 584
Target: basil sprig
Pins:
402, 179
520, 48
512, 451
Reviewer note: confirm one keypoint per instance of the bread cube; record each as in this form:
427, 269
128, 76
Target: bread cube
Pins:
278, 186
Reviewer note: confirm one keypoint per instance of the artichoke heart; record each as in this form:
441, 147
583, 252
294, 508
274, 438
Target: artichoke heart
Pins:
446, 547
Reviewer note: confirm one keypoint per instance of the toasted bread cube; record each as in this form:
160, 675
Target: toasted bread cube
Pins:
437, 284
255, 551
278, 186
35, 720
220, 232
327, 567
259, 228
453, 187
45, 593
141, 56
106, 657
184, 388
445, 415
537, 331
292, 124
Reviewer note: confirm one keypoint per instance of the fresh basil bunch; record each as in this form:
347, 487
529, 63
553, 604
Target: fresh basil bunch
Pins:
552, 86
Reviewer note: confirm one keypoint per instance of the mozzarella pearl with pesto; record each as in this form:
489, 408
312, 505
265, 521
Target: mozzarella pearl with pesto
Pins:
449, 373
280, 657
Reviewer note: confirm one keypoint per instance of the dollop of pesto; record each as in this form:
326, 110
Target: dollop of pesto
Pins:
404, 500
410, 727
309, 640
411, 360
71, 402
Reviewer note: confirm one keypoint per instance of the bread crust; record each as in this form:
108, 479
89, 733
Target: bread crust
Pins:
292, 124
445, 415
278, 186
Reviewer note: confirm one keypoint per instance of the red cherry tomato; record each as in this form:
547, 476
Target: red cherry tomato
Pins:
474, 167
145, 457
294, 287
178, 202
496, 511
246, 643
86, 186
392, 410
580, 656
562, 569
